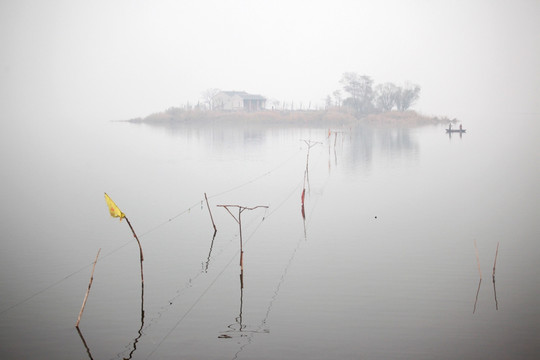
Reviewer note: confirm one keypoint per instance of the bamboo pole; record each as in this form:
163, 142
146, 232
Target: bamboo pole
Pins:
309, 144
211, 217
140, 247
239, 221
477, 259
241, 241
87, 290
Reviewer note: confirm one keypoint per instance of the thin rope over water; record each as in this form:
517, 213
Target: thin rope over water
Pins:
225, 267
222, 193
235, 255
174, 217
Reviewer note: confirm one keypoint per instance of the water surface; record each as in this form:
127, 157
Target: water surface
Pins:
382, 266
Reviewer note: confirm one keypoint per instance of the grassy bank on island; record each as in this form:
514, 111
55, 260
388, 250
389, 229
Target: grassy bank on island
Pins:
304, 117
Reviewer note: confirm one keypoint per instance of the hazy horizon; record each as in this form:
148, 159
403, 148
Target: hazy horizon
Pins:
125, 59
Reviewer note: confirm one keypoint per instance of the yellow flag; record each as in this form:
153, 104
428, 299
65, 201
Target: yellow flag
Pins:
113, 209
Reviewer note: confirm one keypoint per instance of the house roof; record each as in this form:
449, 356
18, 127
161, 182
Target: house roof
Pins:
244, 95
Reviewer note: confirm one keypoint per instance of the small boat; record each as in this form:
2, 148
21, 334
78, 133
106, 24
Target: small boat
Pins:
455, 130
450, 130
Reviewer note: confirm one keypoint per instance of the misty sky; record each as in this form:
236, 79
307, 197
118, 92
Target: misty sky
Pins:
123, 59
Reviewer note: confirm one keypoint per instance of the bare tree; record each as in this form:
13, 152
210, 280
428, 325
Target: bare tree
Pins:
407, 96
386, 95
208, 97
360, 89
337, 98
328, 102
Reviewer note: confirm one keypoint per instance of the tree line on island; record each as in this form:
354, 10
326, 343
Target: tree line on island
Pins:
365, 98
359, 97
362, 96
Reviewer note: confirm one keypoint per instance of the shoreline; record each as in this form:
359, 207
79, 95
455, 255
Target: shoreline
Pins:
294, 117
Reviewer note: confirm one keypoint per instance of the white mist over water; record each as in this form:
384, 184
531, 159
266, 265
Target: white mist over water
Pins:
128, 59
403, 283
385, 257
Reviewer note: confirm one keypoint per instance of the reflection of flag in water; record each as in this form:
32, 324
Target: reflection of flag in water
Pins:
113, 209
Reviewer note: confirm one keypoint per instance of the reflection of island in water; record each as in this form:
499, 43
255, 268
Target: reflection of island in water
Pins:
359, 143
391, 143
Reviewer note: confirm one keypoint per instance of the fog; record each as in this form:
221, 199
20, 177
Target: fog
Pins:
383, 251
123, 59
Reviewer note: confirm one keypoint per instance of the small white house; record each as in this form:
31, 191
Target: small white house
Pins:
238, 100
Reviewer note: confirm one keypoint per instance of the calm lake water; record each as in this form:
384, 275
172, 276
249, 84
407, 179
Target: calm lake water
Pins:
382, 266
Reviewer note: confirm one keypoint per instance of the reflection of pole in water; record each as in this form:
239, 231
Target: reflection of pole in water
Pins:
139, 332
310, 144
304, 213
210, 252
477, 292
304, 221
211, 217
261, 328
239, 319
495, 295
135, 341
495, 262
84, 343
335, 142
493, 277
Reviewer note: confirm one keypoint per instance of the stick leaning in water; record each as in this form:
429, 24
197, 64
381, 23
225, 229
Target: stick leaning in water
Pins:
87, 290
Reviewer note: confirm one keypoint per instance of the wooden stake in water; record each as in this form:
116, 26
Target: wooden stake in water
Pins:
116, 212
309, 144
477, 259
239, 221
87, 291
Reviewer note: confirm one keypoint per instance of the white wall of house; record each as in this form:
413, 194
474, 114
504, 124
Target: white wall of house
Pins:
230, 100
226, 102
